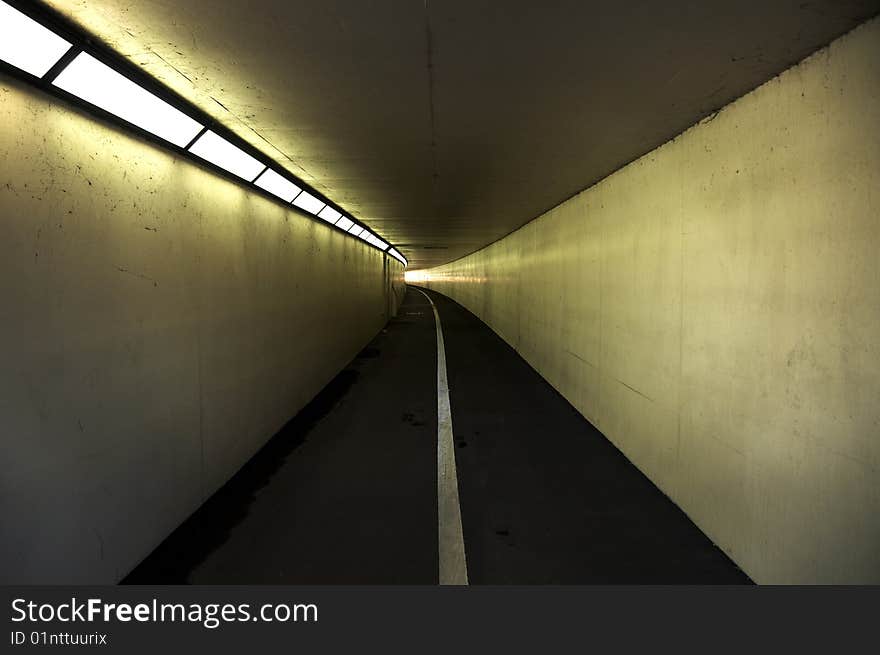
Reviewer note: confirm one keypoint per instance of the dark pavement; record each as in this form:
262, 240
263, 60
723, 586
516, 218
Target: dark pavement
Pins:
346, 493
546, 498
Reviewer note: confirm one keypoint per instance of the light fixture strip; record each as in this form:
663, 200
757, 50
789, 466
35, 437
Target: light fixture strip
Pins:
260, 174
61, 64
310, 203
95, 82
26, 44
62, 59
344, 223
329, 214
278, 185
221, 152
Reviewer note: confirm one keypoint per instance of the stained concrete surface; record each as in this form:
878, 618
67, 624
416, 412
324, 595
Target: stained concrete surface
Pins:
347, 492
714, 309
159, 324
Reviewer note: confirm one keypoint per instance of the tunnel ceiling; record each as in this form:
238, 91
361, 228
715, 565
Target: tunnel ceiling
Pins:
446, 125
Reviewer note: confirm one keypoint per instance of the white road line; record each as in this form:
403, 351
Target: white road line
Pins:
453, 565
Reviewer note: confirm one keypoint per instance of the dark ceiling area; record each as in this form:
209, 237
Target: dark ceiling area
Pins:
445, 125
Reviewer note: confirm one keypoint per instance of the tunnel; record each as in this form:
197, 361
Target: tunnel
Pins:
440, 292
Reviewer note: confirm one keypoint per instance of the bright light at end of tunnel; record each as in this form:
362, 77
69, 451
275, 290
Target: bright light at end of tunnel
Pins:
278, 186
26, 44
411, 277
89, 79
217, 150
310, 203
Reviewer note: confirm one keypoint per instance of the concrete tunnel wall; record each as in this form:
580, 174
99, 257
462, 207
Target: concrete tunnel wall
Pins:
714, 309
159, 324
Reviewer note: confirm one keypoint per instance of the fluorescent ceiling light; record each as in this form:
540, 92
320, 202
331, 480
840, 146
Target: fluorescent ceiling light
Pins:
344, 223
217, 150
89, 79
376, 241
277, 185
329, 214
26, 44
35, 49
307, 201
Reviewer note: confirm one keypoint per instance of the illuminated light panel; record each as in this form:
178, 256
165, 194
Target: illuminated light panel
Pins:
96, 83
310, 203
217, 150
344, 223
26, 44
36, 50
376, 241
329, 214
278, 186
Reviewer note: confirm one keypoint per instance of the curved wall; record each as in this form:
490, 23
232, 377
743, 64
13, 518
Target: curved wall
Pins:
158, 324
714, 309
